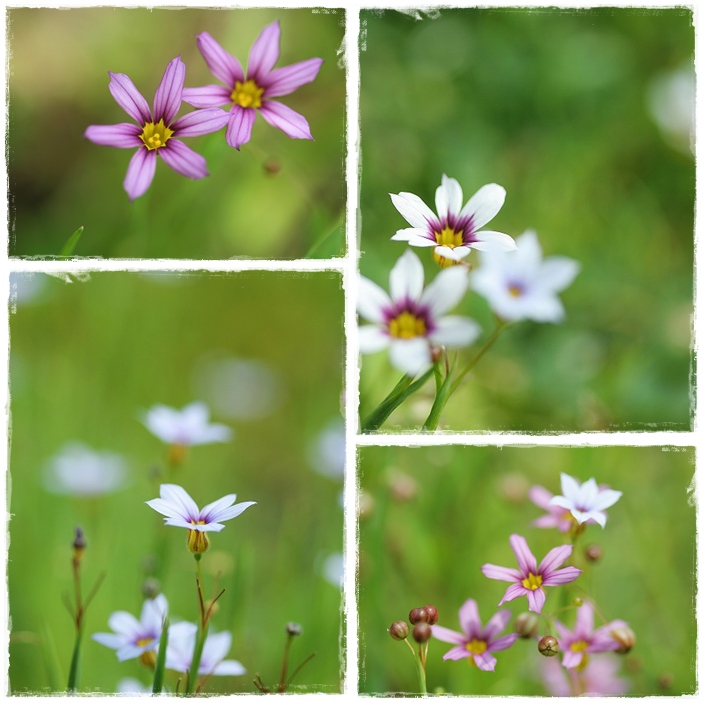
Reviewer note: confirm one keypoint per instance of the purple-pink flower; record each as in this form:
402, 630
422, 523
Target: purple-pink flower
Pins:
253, 90
584, 639
599, 678
529, 579
556, 517
477, 642
156, 132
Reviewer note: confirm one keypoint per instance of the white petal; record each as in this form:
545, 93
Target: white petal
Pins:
446, 290
124, 623
372, 339
407, 277
605, 499
110, 640
153, 612
570, 487
404, 235
229, 667
415, 240
448, 197
530, 251
373, 300
217, 646
410, 355
455, 254
542, 308
414, 210
178, 522
484, 205
494, 241
234, 511
208, 512
168, 509
212, 433
455, 331
558, 272
179, 498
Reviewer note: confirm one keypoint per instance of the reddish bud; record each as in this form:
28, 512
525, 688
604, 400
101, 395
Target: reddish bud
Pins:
422, 632
418, 615
548, 646
432, 614
593, 553
399, 630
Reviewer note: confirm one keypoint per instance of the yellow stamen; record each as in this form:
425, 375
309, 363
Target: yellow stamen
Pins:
476, 646
147, 658
407, 326
449, 238
515, 291
156, 135
532, 582
198, 541
247, 94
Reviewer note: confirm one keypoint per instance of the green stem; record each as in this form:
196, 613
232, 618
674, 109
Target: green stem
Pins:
443, 393
487, 345
197, 655
422, 676
74, 674
159, 671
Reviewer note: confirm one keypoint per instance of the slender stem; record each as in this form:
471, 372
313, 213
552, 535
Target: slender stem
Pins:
443, 393
486, 346
74, 674
197, 655
284, 665
298, 668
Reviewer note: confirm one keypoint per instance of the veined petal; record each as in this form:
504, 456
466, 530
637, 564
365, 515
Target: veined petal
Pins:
372, 301
470, 620
372, 339
502, 643
211, 509
222, 64
167, 100
210, 527
414, 210
484, 205
182, 159
555, 558
496, 624
485, 661
410, 355
288, 121
232, 512
168, 509
444, 634
535, 600
446, 290
122, 136
129, 98
455, 331
207, 96
284, 81
455, 653
527, 563
140, 173
199, 122
407, 277
264, 52
513, 592
493, 241
562, 576
501, 573
179, 498
241, 121
448, 197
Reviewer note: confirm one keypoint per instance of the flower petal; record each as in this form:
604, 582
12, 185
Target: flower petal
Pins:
559, 578
570, 487
446, 290
222, 64
502, 643
493, 241
372, 301
485, 661
200, 122
496, 624
114, 641
535, 600
527, 563
124, 623
228, 667
264, 53
444, 634
584, 622
179, 497
122, 136
513, 592
405, 235
484, 205
167, 100
232, 512
500, 573
453, 253
217, 645
558, 272
554, 559
284, 81
372, 339
414, 210
288, 121
448, 197
206, 96
208, 513
407, 278
571, 659
182, 159
129, 98
456, 653
140, 173
470, 620
540, 496
605, 499
410, 355
455, 331
241, 121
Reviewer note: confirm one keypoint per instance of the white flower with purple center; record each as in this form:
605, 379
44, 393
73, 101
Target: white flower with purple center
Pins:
520, 285
181, 511
181, 643
529, 579
585, 500
133, 638
156, 133
475, 642
409, 321
455, 230
247, 93
186, 427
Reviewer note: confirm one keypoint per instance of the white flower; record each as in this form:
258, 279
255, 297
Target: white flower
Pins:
80, 471
672, 102
134, 638
408, 321
181, 643
333, 569
453, 231
327, 452
520, 285
185, 427
585, 500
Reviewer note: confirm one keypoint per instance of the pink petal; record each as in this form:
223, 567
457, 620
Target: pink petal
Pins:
140, 173
284, 81
167, 100
182, 159
456, 653
129, 98
559, 578
207, 96
540, 496
285, 119
470, 620
200, 122
571, 659
554, 559
122, 136
584, 622
444, 634
525, 558
496, 624
264, 53
502, 643
513, 592
241, 121
501, 573
536, 599
222, 64
485, 661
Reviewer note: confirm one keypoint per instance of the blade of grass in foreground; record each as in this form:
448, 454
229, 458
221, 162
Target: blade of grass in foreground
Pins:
70, 246
161, 661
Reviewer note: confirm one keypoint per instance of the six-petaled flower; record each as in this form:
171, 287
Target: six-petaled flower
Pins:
585, 500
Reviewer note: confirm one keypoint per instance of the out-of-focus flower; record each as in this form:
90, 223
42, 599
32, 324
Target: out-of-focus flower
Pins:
409, 321
671, 100
520, 285
327, 452
598, 678
156, 132
26, 287
247, 93
333, 569
476, 642
185, 427
584, 639
585, 500
134, 638
181, 511
529, 579
454, 230
80, 471
133, 687
556, 516
181, 643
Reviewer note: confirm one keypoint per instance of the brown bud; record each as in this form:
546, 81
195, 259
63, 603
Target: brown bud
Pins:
548, 646
79, 543
432, 614
526, 625
399, 630
417, 615
593, 553
437, 351
293, 629
151, 588
625, 637
272, 166
666, 680
422, 632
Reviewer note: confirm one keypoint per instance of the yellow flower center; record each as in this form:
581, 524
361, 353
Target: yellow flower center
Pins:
449, 238
476, 646
407, 326
247, 94
578, 646
156, 135
198, 541
515, 291
147, 658
532, 582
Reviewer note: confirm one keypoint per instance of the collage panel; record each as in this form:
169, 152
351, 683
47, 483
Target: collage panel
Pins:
169, 430
540, 571
228, 127
527, 201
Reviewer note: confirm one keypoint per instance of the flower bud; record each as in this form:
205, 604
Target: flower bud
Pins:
666, 681
578, 602
399, 630
526, 625
422, 632
417, 615
79, 544
148, 658
548, 646
198, 542
432, 614
151, 588
625, 637
593, 553
437, 351
293, 629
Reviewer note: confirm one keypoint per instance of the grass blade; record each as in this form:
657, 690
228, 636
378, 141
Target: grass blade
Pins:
70, 245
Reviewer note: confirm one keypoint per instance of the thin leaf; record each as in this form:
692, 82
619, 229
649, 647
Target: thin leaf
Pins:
70, 245
160, 670
74, 675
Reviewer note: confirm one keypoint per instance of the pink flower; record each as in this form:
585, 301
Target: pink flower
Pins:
155, 133
476, 642
584, 639
247, 93
599, 678
529, 579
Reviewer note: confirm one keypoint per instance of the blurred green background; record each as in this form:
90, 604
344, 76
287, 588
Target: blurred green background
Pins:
87, 358
557, 106
278, 198
431, 517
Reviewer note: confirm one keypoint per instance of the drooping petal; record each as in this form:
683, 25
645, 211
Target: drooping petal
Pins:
493, 241
446, 290
122, 136
167, 100
562, 576
448, 197
413, 233
372, 339
232, 512
554, 559
456, 653
582, 516
288, 121
241, 121
407, 277
182, 159
200, 122
410, 355
527, 563
485, 661
210, 527
444, 634
484, 205
498, 645
513, 592
470, 620
129, 98
284, 81
178, 497
414, 210
140, 173
264, 53
455, 331
501, 573
222, 64
373, 301
177, 522
496, 624
535, 600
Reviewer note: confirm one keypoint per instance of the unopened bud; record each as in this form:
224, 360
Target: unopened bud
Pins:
79, 544
417, 615
399, 630
527, 625
422, 632
293, 629
198, 542
437, 351
548, 646
578, 602
625, 637
272, 166
666, 680
151, 588
593, 553
432, 614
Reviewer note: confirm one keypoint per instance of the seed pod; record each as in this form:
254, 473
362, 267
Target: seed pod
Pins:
432, 614
399, 630
593, 553
548, 646
417, 615
527, 625
625, 637
422, 632
293, 629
